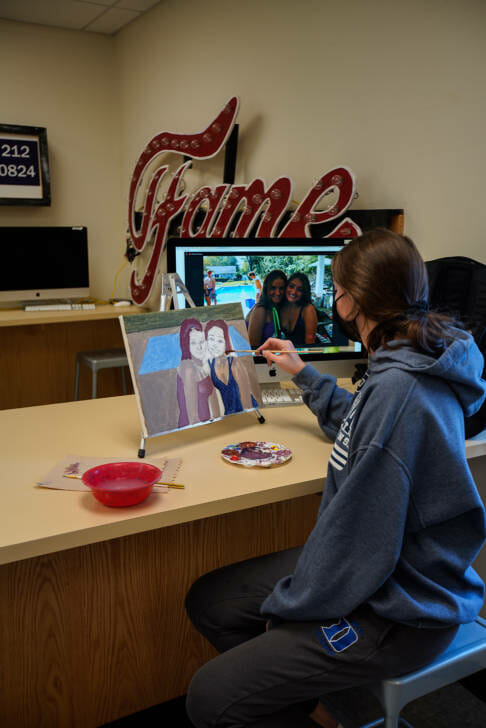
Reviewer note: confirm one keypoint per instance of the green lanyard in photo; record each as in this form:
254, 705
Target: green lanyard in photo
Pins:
277, 329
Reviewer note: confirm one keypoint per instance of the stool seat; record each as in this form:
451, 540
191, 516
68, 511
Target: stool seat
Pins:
100, 359
465, 655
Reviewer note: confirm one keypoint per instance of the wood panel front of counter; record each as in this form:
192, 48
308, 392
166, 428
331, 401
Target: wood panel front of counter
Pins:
38, 355
95, 633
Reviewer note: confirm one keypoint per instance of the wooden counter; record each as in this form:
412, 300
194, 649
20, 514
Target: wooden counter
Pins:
19, 317
92, 622
37, 521
38, 353
92, 599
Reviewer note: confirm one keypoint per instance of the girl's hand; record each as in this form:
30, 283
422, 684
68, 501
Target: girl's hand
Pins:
287, 361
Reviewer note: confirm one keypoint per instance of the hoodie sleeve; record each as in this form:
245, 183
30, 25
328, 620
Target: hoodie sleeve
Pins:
324, 398
353, 547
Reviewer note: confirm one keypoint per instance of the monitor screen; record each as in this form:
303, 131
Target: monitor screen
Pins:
230, 262
42, 263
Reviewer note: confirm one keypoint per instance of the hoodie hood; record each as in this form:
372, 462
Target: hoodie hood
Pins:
461, 365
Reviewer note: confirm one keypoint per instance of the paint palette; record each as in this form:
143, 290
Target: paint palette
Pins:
256, 454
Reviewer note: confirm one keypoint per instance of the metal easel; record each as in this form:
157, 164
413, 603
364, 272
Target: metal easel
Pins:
171, 286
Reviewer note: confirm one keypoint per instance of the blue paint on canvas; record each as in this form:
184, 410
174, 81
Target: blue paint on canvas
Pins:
237, 340
164, 352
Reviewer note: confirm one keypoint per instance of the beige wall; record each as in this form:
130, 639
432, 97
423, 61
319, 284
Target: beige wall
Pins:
393, 89
68, 82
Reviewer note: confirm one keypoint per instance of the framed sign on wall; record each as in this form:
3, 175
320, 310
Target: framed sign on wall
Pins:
24, 165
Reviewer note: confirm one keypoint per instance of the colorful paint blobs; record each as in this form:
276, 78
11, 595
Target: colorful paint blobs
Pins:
256, 454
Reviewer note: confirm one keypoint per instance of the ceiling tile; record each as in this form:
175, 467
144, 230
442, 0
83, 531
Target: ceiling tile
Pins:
106, 3
112, 20
140, 5
101, 16
57, 13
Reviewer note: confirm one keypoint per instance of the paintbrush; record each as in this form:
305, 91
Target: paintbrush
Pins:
159, 482
274, 351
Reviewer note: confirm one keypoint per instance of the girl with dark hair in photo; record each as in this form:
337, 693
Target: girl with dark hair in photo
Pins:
385, 577
298, 314
196, 396
264, 320
228, 373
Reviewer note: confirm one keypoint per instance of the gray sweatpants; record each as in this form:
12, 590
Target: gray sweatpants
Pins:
261, 677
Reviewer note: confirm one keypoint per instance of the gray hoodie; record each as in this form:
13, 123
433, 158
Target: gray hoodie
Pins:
400, 520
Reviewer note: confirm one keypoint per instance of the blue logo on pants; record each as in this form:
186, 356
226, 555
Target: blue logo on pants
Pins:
339, 635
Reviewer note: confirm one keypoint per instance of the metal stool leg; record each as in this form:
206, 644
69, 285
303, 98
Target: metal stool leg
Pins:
76, 381
396, 722
124, 381
96, 360
391, 720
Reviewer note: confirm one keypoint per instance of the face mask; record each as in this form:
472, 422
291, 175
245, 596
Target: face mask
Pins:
348, 328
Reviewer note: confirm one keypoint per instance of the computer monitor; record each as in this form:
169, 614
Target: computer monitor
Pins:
231, 259
43, 263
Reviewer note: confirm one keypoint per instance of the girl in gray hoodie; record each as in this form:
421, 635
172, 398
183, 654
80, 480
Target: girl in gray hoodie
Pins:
385, 577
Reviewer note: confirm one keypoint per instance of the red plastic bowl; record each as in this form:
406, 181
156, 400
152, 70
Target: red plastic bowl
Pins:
121, 484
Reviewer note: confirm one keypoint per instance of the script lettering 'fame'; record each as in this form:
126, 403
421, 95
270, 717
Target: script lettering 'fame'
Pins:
220, 205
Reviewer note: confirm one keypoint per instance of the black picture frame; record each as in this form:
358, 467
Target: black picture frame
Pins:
24, 165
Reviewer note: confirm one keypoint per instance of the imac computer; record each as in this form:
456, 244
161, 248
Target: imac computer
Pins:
43, 263
232, 259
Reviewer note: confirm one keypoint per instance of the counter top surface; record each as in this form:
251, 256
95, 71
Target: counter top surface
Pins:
36, 520
19, 317
476, 446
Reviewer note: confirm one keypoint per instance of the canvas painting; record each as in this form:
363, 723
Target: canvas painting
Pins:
183, 371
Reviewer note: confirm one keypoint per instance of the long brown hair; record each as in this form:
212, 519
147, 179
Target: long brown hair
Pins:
265, 300
387, 278
187, 326
306, 292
